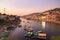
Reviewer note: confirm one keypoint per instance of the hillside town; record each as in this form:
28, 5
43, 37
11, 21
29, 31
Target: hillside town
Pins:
50, 16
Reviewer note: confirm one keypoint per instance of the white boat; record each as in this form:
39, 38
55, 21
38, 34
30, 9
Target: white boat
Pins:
42, 35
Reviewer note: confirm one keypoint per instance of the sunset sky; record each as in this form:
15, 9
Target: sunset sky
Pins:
25, 7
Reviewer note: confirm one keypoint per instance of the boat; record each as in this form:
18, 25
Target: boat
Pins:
41, 35
28, 34
28, 28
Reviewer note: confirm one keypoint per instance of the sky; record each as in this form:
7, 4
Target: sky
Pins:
25, 7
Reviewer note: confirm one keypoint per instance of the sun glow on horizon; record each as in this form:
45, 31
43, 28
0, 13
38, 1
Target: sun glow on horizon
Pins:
24, 7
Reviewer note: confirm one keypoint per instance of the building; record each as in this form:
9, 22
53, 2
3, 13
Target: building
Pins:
48, 16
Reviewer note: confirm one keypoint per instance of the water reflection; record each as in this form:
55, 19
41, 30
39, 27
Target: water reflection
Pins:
43, 24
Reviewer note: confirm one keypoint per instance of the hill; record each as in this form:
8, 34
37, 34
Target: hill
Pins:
35, 16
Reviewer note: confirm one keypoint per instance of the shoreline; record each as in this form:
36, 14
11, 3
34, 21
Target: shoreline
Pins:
58, 22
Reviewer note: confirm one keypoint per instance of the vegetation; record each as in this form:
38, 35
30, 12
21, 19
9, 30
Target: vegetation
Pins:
2, 22
9, 20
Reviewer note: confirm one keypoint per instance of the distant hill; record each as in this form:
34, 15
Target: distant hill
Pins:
53, 11
36, 15
30, 15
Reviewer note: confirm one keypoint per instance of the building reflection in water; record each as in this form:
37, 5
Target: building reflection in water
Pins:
43, 25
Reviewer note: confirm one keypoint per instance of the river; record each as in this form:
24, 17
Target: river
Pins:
51, 29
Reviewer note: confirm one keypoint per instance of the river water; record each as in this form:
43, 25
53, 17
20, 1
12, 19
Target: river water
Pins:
51, 29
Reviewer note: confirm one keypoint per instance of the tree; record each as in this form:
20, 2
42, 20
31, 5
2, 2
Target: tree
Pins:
2, 22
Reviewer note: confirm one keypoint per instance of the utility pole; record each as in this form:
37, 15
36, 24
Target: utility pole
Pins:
4, 11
